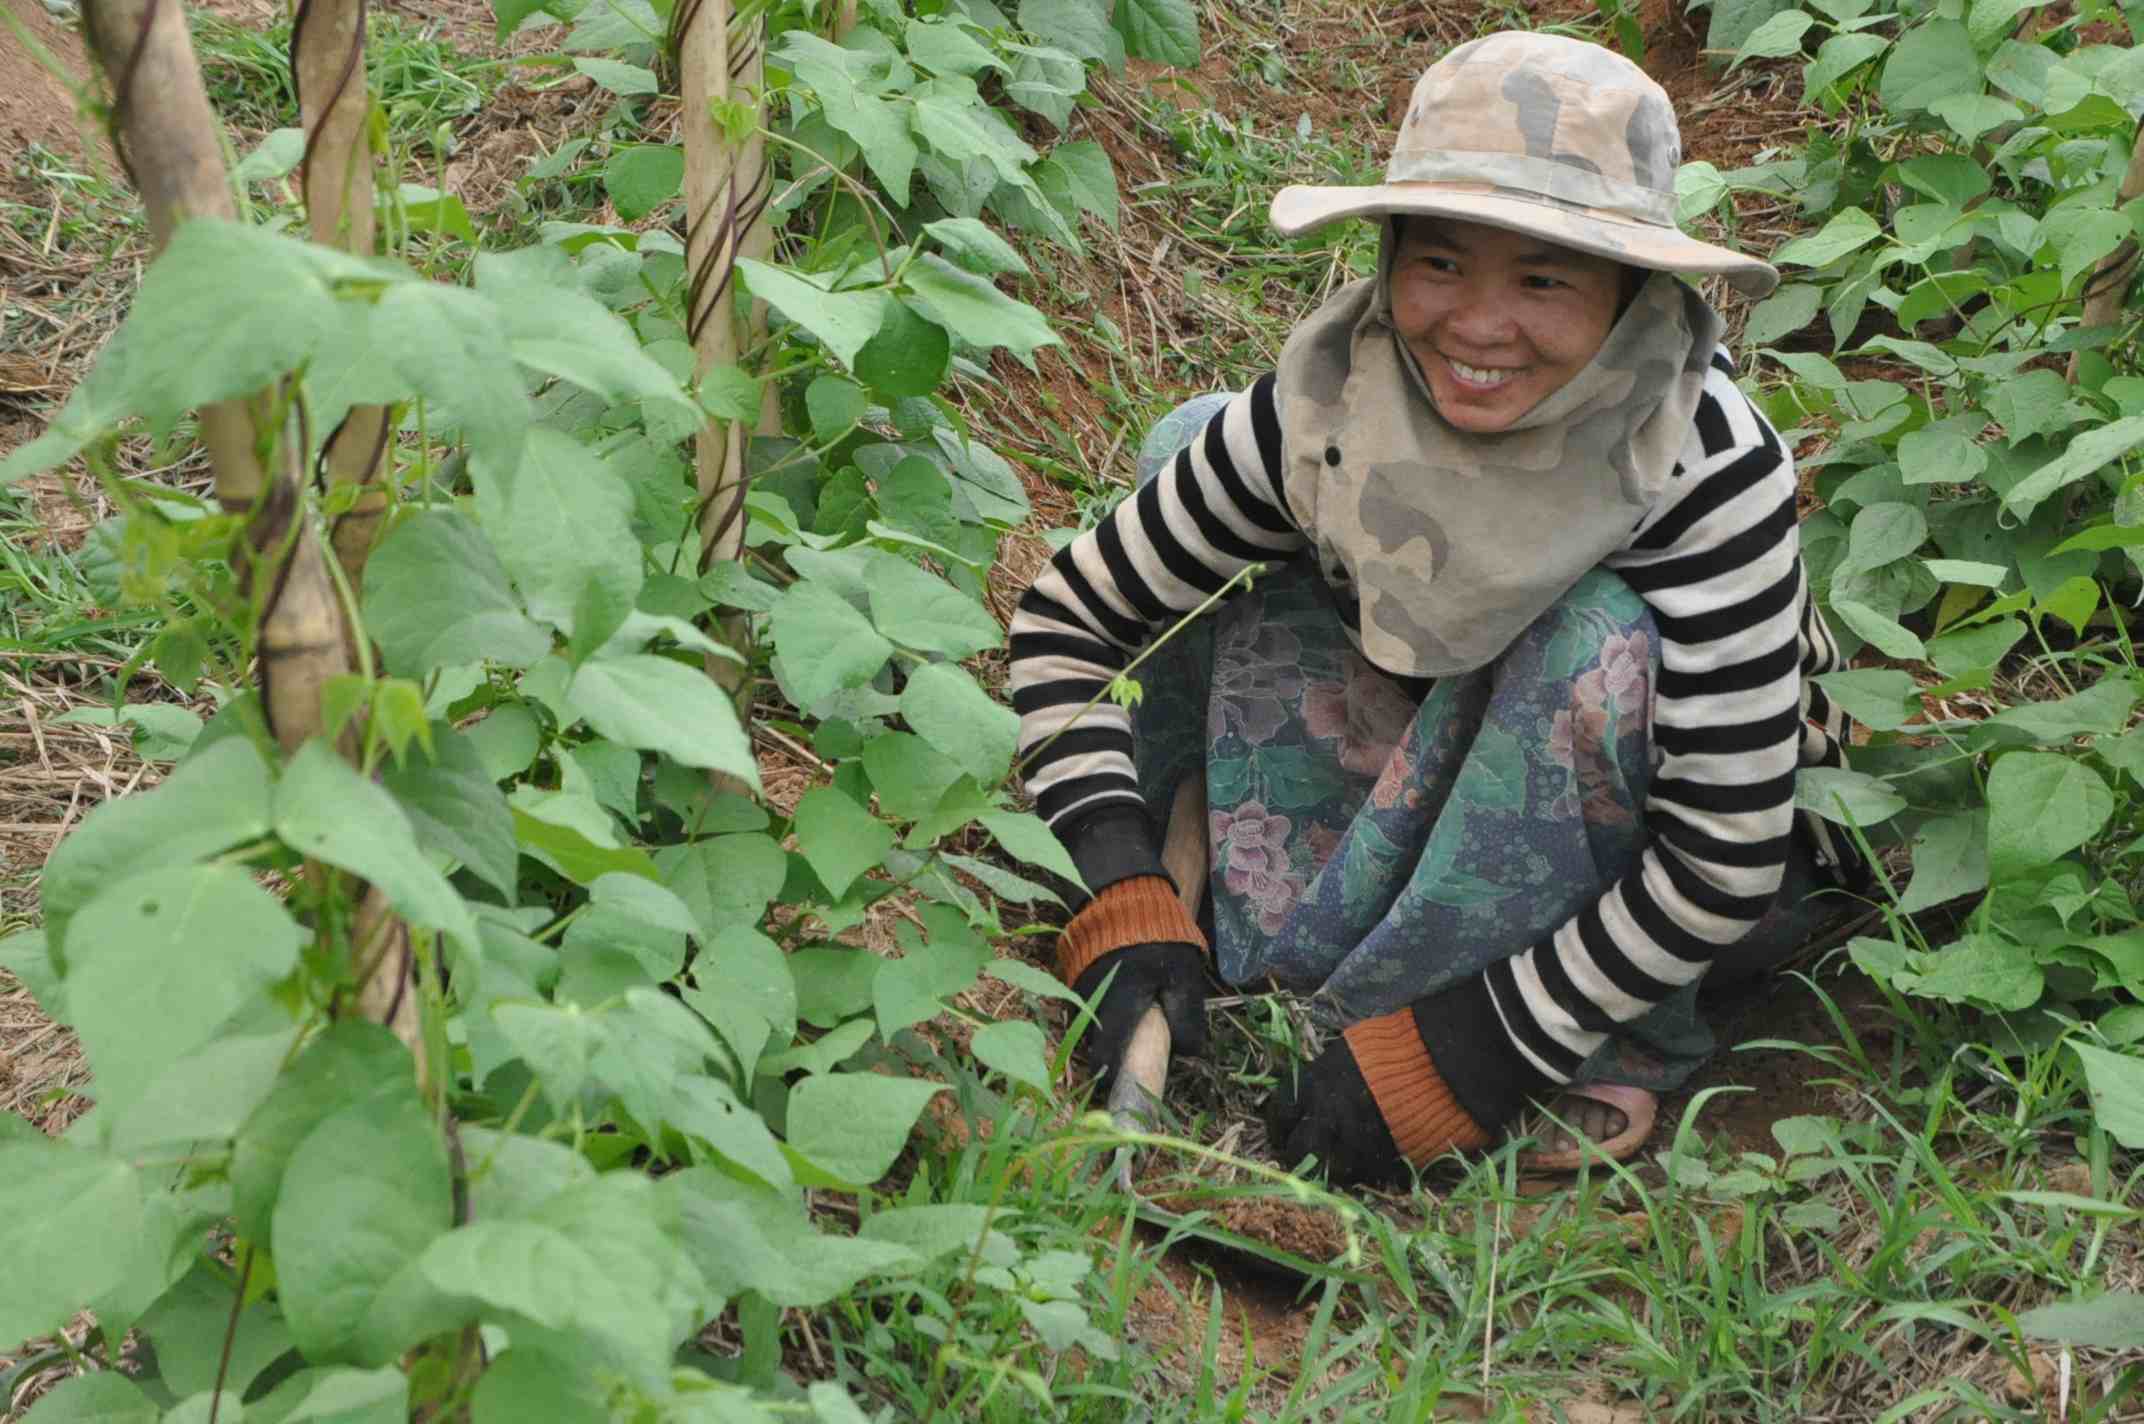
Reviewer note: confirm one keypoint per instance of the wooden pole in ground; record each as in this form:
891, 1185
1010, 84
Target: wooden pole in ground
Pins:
327, 62
2109, 282
169, 142
720, 61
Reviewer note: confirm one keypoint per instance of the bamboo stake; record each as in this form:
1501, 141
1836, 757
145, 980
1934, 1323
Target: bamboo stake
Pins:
327, 62
167, 138
2109, 282
726, 193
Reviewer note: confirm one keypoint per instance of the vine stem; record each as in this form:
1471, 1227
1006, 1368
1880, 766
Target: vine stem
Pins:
1243, 576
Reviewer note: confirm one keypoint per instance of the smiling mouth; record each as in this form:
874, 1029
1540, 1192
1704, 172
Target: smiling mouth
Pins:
1483, 376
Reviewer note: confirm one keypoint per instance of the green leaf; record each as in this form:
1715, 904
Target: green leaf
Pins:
558, 1042
908, 773
1028, 839
191, 1323
1776, 38
1847, 797
450, 345
616, 77
2102, 708
974, 310
2041, 806
223, 311
835, 404
1787, 310
2081, 457
826, 645
2030, 403
562, 522
457, 810
100, 1397
2114, 1321
68, 1223
976, 246
2081, 236
1015, 1048
523, 1384
1090, 176
725, 880
1970, 650
945, 47
747, 1238
1882, 533
643, 178
1981, 969
363, 1195
1931, 61
205, 1094
351, 1063
839, 838
1882, 699
541, 1274
922, 611
342, 1397
554, 327
745, 969
326, 811
568, 849
659, 704
1836, 58
436, 596
1023, 975
1971, 115
842, 320
161, 960
1847, 231
1950, 858
853, 1125
1927, 457
214, 801
907, 356
1079, 27
1888, 635
2116, 1084
947, 709
1165, 31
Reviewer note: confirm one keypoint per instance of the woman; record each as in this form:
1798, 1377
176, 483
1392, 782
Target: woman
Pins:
1504, 760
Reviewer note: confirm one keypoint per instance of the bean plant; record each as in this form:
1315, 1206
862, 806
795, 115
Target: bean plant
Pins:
661, 1083
1982, 494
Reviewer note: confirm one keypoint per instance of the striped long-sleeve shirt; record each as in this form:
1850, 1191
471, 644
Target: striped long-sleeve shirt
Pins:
1717, 558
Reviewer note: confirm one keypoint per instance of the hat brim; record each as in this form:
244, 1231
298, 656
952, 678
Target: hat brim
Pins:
1301, 209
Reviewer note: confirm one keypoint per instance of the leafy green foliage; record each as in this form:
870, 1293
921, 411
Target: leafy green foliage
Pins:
615, 962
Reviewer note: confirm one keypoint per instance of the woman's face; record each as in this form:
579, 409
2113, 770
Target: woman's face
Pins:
1499, 320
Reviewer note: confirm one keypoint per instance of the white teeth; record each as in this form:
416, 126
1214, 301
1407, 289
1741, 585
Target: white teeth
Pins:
1480, 375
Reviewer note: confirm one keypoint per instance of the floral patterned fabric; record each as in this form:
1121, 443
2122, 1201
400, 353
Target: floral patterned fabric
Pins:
1376, 840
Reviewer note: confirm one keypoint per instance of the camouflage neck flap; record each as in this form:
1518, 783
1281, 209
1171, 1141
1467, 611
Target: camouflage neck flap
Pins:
1453, 542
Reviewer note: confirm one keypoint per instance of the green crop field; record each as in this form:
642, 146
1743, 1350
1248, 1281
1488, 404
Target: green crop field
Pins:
501, 876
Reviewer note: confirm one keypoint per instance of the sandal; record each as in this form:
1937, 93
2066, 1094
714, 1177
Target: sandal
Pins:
1638, 1106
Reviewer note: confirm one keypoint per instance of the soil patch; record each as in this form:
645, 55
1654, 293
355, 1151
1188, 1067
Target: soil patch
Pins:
36, 105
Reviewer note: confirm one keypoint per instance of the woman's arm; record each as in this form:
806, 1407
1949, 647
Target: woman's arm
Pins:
1718, 561
1217, 509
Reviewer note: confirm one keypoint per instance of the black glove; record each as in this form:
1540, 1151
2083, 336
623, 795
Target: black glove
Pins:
1173, 975
1324, 1109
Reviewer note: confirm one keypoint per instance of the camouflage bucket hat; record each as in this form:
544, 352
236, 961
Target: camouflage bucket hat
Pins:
1553, 137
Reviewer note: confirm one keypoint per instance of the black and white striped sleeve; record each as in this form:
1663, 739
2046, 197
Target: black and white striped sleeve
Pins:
1718, 560
1215, 511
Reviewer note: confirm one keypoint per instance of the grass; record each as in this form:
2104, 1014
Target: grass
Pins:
1864, 1260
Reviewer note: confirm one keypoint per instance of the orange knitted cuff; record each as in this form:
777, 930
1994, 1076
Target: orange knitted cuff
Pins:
1142, 910
1423, 1116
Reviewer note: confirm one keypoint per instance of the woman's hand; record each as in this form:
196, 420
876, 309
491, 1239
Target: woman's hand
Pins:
1172, 975
1369, 1104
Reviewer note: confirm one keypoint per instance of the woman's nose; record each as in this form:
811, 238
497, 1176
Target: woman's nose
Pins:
1481, 317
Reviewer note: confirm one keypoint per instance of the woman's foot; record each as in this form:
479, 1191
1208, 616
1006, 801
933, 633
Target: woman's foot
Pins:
1591, 1121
